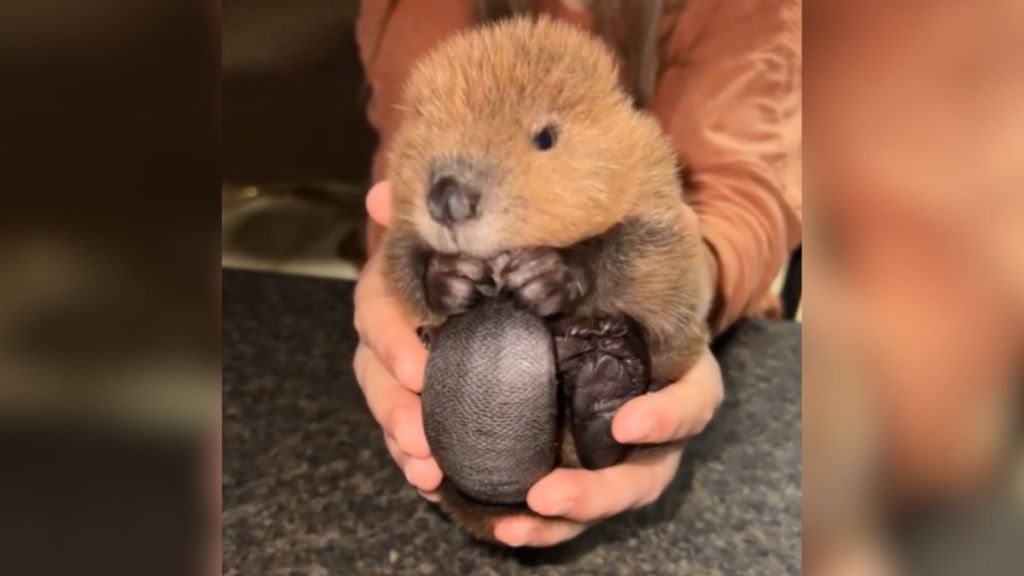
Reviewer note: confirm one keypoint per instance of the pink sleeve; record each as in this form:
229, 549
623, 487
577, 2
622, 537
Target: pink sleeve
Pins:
730, 98
391, 36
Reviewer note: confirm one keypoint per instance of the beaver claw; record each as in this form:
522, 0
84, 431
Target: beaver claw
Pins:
542, 280
451, 283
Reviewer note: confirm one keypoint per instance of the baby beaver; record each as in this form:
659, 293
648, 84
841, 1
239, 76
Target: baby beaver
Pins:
540, 239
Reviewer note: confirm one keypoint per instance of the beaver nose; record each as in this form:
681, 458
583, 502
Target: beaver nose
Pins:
451, 202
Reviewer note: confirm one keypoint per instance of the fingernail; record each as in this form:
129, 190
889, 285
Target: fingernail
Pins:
411, 439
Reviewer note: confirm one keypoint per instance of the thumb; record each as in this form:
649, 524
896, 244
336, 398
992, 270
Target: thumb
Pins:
378, 203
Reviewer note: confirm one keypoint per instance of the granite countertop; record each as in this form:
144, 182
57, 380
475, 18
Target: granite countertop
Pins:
309, 488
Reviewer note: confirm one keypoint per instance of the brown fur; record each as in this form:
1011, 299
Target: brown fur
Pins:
632, 27
608, 193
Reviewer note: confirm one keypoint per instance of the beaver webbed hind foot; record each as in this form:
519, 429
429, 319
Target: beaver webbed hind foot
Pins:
602, 363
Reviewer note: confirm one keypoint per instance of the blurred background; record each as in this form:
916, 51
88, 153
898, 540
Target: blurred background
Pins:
109, 286
297, 146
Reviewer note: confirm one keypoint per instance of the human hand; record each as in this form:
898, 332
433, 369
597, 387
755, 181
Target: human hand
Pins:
575, 499
389, 364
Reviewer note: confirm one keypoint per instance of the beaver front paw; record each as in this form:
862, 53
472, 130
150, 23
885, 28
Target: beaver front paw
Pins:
451, 283
543, 280
603, 363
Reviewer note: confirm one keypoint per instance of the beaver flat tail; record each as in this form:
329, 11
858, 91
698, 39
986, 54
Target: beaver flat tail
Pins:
477, 518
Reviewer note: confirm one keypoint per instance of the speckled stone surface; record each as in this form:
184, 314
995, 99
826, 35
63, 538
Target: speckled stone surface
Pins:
309, 487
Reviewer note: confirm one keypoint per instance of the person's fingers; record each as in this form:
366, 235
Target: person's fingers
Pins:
680, 410
382, 326
526, 531
397, 455
390, 363
591, 495
430, 496
397, 410
378, 203
423, 473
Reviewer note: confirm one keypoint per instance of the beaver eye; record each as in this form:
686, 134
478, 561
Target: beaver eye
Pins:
545, 138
